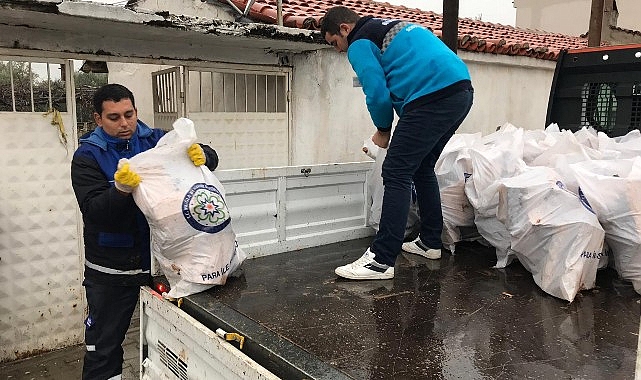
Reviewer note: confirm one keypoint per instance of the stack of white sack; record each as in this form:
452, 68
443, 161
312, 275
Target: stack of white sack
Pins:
191, 232
612, 188
511, 151
554, 236
375, 190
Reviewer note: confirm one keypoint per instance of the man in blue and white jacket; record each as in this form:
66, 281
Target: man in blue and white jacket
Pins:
116, 233
403, 68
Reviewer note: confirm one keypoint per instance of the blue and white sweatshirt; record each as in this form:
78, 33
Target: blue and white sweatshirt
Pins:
116, 233
399, 63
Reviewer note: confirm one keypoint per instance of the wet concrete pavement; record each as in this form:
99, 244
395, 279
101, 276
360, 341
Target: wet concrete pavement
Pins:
66, 364
454, 318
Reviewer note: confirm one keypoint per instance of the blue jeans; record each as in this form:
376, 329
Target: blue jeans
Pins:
418, 140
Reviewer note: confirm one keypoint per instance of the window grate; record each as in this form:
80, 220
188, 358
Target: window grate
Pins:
240, 92
166, 101
599, 106
32, 86
175, 364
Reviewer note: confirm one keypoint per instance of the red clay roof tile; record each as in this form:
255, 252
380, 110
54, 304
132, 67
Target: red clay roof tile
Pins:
473, 35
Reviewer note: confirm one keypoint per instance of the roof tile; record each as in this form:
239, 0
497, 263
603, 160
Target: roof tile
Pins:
473, 35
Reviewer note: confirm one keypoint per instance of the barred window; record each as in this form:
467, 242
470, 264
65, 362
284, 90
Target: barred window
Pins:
32, 86
214, 91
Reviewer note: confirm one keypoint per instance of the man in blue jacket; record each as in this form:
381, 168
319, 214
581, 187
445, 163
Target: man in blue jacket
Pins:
403, 68
116, 233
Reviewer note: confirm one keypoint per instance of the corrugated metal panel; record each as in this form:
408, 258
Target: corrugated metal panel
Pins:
41, 297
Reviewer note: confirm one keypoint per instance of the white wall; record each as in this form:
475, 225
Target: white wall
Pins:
331, 119
42, 300
571, 17
629, 14
554, 15
137, 78
510, 89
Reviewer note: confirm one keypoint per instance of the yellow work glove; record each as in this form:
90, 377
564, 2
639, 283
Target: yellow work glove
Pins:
125, 179
196, 154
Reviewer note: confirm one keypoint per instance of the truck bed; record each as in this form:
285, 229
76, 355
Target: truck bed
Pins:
450, 318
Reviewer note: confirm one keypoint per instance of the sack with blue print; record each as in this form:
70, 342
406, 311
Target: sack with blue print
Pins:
191, 231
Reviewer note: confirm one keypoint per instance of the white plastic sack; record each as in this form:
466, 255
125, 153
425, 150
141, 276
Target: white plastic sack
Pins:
613, 190
535, 142
452, 169
566, 150
499, 157
628, 146
554, 236
587, 136
376, 189
191, 232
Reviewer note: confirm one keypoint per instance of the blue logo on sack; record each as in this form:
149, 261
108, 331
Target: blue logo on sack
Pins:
585, 202
204, 208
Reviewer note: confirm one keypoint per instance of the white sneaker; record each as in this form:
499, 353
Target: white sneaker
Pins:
366, 268
418, 248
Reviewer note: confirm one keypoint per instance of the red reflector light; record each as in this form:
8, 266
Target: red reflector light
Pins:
161, 288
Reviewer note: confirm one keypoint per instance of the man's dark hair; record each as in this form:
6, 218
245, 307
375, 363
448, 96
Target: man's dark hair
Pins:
114, 92
334, 17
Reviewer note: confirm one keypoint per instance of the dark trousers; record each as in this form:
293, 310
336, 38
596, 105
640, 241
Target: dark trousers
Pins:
110, 311
418, 140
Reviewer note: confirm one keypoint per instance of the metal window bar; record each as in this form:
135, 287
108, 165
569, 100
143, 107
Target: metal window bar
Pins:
49, 85
165, 93
33, 109
229, 89
157, 93
168, 93
160, 94
173, 94
163, 88
164, 84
